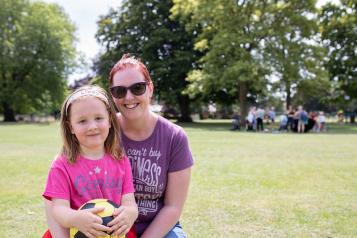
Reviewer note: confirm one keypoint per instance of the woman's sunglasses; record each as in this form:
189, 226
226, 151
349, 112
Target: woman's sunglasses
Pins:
136, 89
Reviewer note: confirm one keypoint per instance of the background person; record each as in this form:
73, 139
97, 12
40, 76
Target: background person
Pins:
303, 118
271, 114
235, 122
291, 115
340, 117
321, 121
250, 119
283, 123
259, 115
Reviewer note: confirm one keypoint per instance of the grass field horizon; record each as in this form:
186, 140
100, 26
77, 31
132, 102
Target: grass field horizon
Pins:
243, 184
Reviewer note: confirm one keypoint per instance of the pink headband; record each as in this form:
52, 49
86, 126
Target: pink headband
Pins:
85, 93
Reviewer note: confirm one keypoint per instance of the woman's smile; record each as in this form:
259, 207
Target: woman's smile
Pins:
131, 105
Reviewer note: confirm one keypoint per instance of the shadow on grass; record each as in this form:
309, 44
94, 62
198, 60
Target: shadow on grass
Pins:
209, 125
335, 128
222, 125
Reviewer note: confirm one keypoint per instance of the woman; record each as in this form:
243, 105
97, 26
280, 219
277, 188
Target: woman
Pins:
157, 149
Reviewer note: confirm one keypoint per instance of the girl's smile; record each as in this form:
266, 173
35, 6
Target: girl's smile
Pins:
89, 121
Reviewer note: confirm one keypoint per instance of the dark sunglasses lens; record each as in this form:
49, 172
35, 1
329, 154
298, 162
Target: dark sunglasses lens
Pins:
118, 92
138, 88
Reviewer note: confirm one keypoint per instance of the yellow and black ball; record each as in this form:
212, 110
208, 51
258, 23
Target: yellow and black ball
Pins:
106, 215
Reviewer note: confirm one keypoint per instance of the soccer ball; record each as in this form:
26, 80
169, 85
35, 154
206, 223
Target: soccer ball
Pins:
106, 215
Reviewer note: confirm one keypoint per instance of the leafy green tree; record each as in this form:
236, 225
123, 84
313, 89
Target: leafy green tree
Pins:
144, 28
313, 94
245, 42
230, 40
338, 25
291, 47
36, 54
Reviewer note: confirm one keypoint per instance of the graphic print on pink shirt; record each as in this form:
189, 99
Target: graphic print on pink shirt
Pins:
91, 183
89, 179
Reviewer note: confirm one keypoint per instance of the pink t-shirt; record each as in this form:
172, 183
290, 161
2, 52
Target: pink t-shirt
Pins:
89, 179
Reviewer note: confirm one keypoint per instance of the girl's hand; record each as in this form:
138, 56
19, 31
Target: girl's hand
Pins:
125, 217
89, 223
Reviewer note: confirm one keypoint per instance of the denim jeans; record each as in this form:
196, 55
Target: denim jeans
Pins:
176, 232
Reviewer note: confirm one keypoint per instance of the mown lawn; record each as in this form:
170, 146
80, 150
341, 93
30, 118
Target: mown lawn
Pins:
243, 184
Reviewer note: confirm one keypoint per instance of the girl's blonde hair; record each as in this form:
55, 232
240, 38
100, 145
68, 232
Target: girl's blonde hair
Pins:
71, 147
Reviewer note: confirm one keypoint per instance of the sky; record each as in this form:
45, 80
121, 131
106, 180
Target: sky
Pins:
84, 14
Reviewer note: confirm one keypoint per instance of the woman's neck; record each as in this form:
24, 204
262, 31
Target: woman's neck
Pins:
139, 129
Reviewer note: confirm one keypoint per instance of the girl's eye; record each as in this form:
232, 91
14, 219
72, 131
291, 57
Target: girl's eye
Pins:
98, 118
82, 121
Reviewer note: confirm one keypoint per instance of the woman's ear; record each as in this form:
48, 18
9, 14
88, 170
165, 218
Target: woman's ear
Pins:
151, 89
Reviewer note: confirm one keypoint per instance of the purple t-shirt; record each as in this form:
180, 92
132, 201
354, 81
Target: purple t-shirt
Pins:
166, 150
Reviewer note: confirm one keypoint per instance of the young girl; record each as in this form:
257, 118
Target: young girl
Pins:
91, 165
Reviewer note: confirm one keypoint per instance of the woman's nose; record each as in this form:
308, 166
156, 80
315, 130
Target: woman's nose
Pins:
128, 95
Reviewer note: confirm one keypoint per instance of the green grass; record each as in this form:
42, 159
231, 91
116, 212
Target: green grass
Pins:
243, 184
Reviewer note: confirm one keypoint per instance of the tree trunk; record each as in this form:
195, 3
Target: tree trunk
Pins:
9, 115
288, 96
184, 104
243, 90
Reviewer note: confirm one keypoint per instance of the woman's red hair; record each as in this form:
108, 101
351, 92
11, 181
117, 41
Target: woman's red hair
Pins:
129, 61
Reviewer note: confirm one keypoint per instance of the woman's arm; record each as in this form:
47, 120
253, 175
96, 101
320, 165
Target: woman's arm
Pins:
57, 231
175, 196
126, 215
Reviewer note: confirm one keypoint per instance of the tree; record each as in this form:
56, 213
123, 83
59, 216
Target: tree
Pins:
291, 48
245, 42
36, 53
145, 29
338, 25
230, 39
313, 94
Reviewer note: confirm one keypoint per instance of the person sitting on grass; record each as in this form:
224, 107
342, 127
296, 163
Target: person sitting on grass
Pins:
235, 122
283, 123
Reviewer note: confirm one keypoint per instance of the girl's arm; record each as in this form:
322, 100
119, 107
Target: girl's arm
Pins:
175, 196
57, 231
126, 215
84, 220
